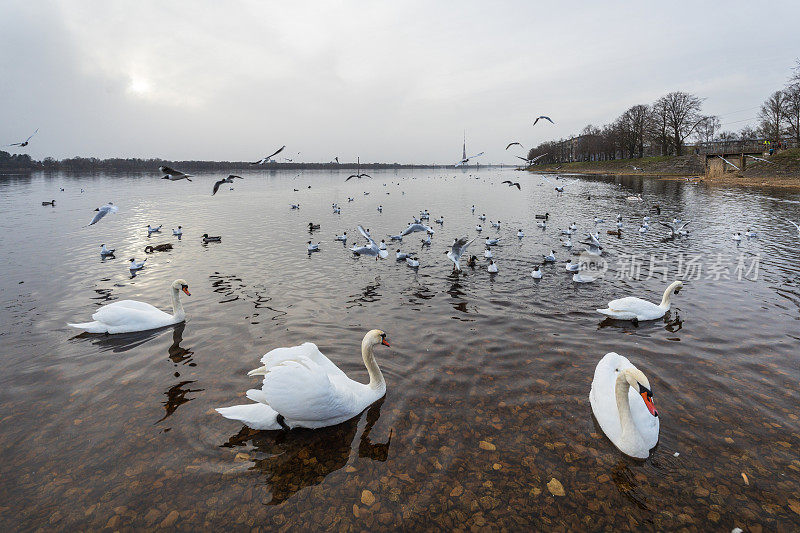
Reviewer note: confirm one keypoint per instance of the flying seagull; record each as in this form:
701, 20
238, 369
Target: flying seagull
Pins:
543, 117
359, 174
26, 141
229, 179
464, 158
270, 156
510, 184
457, 250
637, 169
371, 248
103, 211
173, 175
412, 228
512, 144
674, 228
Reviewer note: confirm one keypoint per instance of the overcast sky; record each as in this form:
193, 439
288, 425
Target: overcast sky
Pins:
389, 81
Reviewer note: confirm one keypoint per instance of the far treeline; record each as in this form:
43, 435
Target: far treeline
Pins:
664, 127
24, 162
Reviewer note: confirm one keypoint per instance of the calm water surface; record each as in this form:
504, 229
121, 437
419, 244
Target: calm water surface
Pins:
488, 376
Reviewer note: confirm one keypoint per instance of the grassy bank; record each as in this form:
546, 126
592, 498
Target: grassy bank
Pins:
783, 169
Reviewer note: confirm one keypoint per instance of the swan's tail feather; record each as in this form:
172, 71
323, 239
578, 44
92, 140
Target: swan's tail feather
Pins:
254, 415
91, 327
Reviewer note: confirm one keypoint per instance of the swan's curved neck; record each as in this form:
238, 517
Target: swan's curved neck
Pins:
177, 306
623, 405
376, 380
667, 294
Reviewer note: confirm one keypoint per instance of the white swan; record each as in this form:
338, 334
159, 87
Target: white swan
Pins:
622, 403
303, 388
636, 309
127, 316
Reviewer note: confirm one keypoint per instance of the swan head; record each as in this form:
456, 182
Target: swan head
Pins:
676, 287
639, 382
375, 337
181, 285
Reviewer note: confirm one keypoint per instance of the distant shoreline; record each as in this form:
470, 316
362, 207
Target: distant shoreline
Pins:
783, 171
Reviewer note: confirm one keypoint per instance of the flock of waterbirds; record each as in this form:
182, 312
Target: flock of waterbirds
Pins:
303, 388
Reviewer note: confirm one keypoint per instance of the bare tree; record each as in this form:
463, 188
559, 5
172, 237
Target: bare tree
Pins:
748, 133
792, 108
658, 127
682, 115
708, 127
772, 115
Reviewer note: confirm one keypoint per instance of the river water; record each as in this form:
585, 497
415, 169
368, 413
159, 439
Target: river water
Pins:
488, 375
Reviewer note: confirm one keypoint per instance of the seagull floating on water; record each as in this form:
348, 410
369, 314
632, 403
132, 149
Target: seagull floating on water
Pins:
105, 251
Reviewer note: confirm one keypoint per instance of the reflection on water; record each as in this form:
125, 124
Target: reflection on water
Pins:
293, 460
487, 377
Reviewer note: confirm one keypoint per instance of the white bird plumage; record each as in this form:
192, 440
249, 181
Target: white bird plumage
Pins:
636, 309
622, 403
303, 388
127, 316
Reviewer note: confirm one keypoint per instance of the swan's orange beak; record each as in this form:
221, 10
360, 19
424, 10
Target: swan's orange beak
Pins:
648, 401
384, 341
186, 290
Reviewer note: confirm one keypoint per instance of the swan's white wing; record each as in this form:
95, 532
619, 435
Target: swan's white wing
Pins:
302, 391
630, 303
132, 314
602, 396
308, 350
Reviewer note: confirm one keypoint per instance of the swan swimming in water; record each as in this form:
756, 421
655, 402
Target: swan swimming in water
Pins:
636, 309
622, 403
303, 388
127, 316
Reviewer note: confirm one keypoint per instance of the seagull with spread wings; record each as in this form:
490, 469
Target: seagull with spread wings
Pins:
358, 173
512, 184
173, 175
675, 228
514, 143
543, 117
371, 248
229, 179
270, 156
103, 211
26, 141
457, 250
464, 158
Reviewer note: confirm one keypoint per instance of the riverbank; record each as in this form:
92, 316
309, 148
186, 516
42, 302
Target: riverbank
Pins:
782, 170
